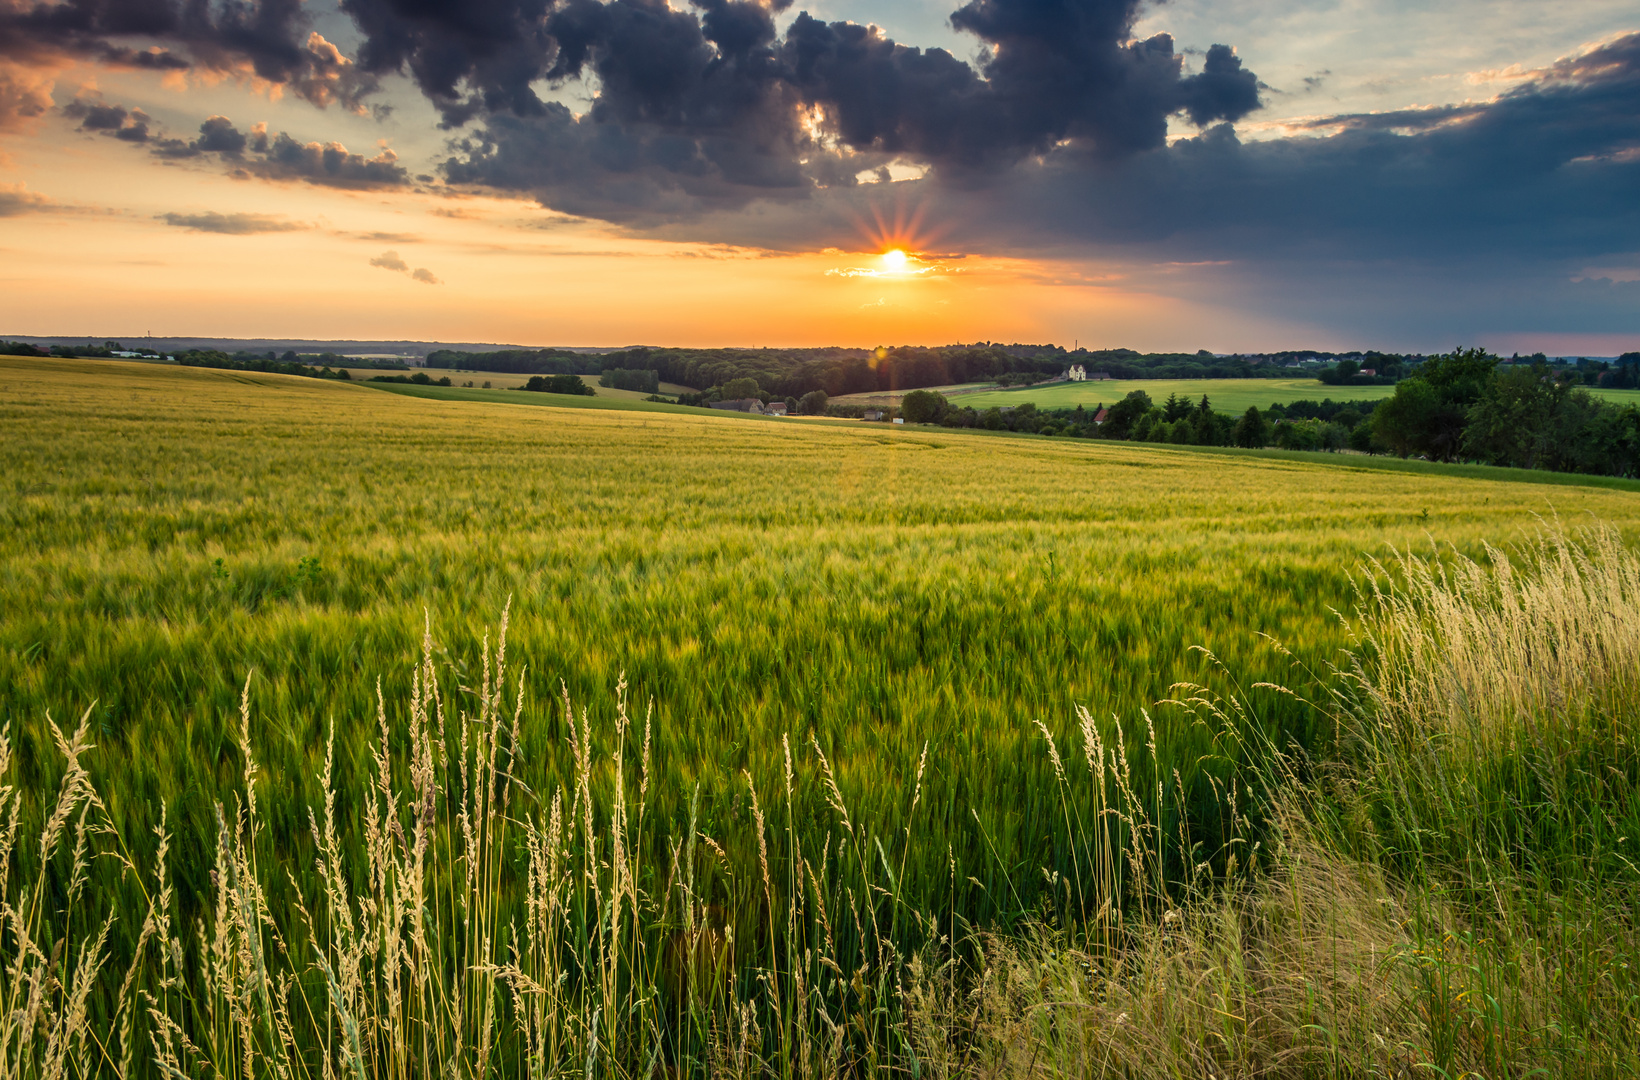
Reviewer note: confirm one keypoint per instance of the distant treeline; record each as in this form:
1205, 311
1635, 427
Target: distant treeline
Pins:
420, 378
1623, 375
778, 372
71, 352
263, 362
836, 371
291, 356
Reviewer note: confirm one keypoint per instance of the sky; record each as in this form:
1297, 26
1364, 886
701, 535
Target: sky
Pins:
1232, 176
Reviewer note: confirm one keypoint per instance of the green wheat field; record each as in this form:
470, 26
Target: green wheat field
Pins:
816, 749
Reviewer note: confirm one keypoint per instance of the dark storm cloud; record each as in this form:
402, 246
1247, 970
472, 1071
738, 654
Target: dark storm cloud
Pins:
233, 224
697, 113
1545, 175
1549, 169
270, 39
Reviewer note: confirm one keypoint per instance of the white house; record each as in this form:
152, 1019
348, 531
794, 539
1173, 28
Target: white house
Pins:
1077, 373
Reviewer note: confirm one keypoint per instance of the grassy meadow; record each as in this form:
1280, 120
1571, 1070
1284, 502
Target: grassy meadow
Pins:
1227, 395
846, 647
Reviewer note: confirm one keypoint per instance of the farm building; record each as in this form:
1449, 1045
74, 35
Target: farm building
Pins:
750, 404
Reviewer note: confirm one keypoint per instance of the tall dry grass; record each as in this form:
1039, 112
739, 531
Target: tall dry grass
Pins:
1521, 647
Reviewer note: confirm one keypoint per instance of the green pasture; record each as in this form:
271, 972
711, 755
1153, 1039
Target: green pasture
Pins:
1226, 395
892, 397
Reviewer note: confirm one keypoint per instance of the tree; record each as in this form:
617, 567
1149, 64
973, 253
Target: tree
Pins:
1206, 427
1402, 422
1458, 379
791, 405
742, 387
1120, 420
813, 403
643, 380
1611, 442
1175, 408
1429, 411
923, 407
1251, 431
1512, 422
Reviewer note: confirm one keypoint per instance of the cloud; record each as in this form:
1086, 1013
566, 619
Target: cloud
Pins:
711, 124
16, 199
115, 120
233, 224
697, 111
25, 95
246, 153
218, 135
1546, 170
389, 260
269, 41
329, 164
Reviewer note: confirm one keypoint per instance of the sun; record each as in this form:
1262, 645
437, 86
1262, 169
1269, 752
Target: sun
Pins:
894, 260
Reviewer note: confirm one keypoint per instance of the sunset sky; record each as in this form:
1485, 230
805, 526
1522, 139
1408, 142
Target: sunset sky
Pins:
1234, 176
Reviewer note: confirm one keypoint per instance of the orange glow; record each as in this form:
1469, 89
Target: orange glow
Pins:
182, 250
900, 228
